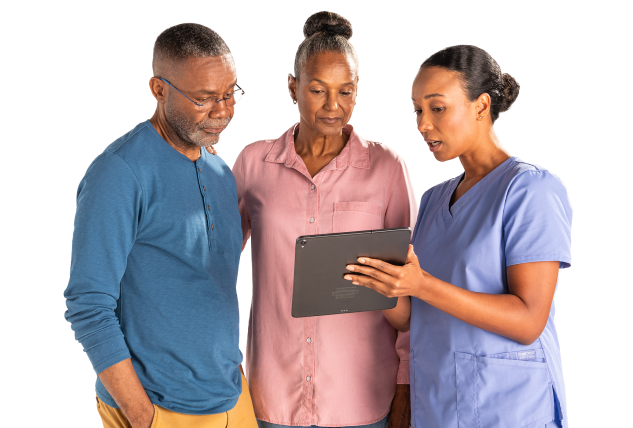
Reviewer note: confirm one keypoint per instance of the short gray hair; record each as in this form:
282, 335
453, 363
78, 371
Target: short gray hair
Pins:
324, 32
185, 41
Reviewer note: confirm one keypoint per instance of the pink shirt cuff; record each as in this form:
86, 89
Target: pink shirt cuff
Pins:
403, 372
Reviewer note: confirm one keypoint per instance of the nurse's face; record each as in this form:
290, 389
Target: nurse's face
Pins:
446, 118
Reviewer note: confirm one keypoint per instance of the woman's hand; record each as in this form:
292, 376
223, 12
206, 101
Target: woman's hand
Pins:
387, 279
391, 281
211, 150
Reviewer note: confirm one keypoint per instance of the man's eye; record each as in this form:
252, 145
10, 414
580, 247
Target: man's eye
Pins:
439, 109
346, 94
316, 91
417, 111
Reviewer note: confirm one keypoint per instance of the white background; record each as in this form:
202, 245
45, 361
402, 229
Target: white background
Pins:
31, 168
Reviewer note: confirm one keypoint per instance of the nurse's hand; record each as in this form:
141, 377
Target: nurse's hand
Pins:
391, 281
211, 150
388, 279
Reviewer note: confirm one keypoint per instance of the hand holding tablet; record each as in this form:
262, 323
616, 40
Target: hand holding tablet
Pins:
320, 264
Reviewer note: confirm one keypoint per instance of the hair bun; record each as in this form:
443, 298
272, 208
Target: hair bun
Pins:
327, 22
510, 91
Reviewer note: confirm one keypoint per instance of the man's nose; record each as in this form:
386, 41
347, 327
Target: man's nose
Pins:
220, 110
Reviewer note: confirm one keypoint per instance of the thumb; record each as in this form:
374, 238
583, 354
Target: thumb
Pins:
411, 257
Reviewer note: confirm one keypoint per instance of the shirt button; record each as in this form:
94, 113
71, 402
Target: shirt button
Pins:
312, 220
209, 207
309, 340
199, 170
212, 227
308, 378
204, 188
312, 187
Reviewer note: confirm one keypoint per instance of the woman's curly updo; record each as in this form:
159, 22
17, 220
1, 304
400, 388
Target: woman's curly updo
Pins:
480, 74
324, 32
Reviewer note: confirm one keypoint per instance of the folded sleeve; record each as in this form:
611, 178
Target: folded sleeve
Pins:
537, 220
403, 348
109, 201
402, 210
239, 171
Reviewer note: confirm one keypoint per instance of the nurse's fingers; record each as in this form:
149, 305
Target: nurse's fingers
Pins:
211, 150
374, 284
376, 280
389, 269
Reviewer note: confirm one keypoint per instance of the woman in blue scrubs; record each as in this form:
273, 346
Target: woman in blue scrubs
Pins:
483, 267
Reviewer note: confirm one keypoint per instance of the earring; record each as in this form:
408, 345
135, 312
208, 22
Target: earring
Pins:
294, 101
479, 117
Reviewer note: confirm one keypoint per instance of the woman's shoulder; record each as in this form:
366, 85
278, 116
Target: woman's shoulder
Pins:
268, 146
522, 174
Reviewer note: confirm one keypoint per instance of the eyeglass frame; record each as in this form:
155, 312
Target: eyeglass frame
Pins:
224, 98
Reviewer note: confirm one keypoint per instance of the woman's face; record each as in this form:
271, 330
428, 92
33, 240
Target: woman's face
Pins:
447, 119
326, 92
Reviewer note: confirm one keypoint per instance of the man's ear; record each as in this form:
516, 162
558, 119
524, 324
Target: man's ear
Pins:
292, 87
158, 88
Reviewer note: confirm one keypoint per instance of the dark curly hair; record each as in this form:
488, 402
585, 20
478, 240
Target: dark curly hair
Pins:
184, 41
480, 74
324, 32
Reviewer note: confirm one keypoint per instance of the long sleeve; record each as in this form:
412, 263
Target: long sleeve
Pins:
240, 181
106, 222
401, 212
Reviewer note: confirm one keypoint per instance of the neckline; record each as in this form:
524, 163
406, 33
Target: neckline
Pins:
173, 152
470, 193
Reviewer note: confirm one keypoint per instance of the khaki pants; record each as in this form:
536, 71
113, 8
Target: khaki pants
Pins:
242, 415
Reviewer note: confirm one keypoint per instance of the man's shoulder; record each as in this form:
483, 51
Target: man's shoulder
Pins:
118, 158
134, 140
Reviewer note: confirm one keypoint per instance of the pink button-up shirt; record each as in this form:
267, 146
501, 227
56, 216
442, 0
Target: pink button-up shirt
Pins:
331, 370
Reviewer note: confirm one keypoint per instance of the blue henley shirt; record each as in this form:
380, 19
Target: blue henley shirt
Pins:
155, 255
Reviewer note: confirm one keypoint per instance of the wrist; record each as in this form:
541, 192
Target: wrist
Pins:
425, 286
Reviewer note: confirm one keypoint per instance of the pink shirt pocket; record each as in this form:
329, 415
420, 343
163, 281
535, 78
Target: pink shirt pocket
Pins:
353, 216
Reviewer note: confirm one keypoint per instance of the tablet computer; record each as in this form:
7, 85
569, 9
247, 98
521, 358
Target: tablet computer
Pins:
320, 260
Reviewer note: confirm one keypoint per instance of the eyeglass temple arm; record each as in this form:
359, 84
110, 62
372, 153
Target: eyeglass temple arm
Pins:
165, 80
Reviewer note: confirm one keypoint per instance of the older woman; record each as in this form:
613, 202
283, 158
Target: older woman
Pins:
489, 243
320, 176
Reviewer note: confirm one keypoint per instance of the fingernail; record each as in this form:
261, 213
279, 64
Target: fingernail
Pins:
355, 283
350, 267
347, 277
361, 260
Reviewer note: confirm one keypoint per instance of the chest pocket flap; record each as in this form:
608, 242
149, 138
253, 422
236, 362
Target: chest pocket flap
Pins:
353, 216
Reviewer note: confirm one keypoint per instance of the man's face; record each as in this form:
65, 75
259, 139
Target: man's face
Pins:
204, 80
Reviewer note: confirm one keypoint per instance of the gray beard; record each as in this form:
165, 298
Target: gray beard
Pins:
187, 131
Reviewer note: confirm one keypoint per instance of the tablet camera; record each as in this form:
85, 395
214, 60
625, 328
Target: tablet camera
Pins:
303, 242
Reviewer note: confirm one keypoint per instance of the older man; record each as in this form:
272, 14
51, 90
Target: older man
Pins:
156, 248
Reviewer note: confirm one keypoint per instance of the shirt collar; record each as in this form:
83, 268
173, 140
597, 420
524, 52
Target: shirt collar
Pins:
355, 153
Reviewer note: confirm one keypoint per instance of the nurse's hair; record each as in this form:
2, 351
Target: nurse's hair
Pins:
184, 41
324, 32
480, 74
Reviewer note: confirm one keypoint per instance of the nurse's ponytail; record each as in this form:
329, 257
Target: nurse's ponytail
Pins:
480, 74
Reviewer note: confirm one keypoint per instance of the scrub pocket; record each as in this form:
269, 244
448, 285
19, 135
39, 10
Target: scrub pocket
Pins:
354, 216
498, 392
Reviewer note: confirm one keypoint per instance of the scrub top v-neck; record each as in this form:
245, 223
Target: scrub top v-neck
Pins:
464, 376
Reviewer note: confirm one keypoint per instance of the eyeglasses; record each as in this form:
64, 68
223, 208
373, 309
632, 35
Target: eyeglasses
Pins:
230, 99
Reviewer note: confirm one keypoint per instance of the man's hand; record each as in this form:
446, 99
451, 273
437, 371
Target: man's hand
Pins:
123, 385
400, 414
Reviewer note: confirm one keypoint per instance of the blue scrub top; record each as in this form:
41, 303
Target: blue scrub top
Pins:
461, 375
